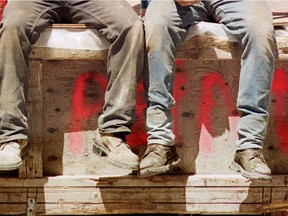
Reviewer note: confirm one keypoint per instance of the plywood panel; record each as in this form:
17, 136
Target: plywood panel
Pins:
184, 194
206, 87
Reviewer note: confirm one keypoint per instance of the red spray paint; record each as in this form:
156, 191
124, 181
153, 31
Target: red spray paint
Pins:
2, 5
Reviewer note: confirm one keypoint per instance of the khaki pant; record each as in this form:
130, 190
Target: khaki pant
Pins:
22, 23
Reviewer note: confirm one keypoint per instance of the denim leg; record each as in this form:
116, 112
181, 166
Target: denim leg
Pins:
251, 22
166, 26
16, 33
119, 24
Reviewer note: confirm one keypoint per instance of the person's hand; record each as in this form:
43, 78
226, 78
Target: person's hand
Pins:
187, 2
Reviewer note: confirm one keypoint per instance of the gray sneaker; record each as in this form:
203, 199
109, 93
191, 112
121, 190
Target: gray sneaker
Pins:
158, 159
116, 148
11, 153
251, 164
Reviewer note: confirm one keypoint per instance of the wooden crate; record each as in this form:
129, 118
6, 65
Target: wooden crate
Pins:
67, 96
184, 194
65, 177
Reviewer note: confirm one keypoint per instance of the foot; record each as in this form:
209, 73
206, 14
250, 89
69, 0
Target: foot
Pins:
11, 153
251, 164
116, 148
158, 159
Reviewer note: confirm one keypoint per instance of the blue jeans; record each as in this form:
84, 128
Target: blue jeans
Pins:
250, 22
22, 23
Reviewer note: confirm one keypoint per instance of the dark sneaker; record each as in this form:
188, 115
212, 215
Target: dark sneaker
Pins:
251, 164
158, 159
116, 148
11, 153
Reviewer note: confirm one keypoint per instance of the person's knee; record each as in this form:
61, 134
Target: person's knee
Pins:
130, 26
266, 28
156, 26
13, 26
258, 36
137, 26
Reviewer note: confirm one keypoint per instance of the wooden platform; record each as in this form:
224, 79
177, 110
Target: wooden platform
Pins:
67, 90
62, 175
184, 194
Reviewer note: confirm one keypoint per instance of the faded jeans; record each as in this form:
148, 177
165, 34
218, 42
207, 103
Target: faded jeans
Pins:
250, 22
22, 23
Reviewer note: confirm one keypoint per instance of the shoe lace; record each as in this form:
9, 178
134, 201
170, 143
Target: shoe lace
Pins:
10, 144
153, 149
122, 137
258, 155
2, 146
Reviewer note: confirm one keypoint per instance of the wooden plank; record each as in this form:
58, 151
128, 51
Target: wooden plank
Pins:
116, 181
279, 11
44, 53
13, 199
153, 208
199, 47
280, 213
34, 164
16, 195
207, 76
71, 88
183, 194
277, 207
13, 209
152, 195
280, 194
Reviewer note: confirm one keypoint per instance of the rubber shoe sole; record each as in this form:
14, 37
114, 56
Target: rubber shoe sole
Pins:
101, 150
17, 165
253, 176
152, 171
12, 167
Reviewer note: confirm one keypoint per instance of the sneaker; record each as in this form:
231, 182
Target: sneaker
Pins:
116, 148
251, 164
11, 153
158, 159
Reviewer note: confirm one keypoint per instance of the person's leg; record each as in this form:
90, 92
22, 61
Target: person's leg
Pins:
120, 25
242, 18
166, 26
20, 26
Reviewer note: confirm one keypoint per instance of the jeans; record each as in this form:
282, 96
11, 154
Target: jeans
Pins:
168, 22
22, 23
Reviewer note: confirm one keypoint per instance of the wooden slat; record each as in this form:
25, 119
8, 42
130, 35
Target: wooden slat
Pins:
42, 53
186, 194
152, 195
13, 209
151, 208
16, 195
63, 131
109, 181
196, 48
34, 164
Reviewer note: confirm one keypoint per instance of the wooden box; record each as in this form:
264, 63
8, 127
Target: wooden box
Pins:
64, 176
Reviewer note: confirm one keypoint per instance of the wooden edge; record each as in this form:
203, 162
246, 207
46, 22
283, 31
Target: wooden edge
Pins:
197, 180
83, 26
197, 48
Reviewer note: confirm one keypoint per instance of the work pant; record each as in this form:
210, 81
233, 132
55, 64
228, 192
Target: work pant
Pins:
250, 22
22, 23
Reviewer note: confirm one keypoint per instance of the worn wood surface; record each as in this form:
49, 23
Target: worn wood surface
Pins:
90, 194
197, 48
62, 128
206, 87
280, 12
35, 165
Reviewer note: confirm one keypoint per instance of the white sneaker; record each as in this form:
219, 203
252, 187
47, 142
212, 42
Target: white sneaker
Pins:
10, 155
